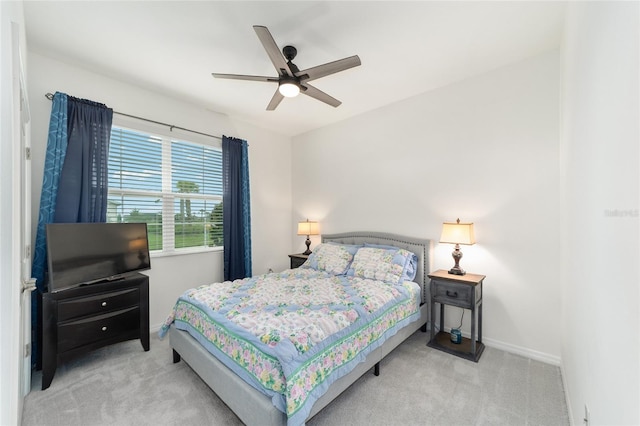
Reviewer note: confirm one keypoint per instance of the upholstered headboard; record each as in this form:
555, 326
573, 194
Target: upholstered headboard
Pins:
421, 248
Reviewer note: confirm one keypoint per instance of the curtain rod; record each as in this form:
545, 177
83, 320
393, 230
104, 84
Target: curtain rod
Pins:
170, 126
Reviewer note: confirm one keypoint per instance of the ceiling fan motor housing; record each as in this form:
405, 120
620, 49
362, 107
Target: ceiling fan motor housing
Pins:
289, 52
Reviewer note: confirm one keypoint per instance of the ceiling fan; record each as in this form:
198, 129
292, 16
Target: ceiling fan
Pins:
290, 79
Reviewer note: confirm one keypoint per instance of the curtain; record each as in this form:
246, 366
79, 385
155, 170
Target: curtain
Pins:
74, 183
54, 158
236, 214
82, 193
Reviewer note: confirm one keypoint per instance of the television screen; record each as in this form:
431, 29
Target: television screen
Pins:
85, 253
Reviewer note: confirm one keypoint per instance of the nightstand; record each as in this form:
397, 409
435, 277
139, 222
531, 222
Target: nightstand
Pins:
298, 259
463, 291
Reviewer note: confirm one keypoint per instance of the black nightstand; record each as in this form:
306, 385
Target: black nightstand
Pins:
298, 259
463, 291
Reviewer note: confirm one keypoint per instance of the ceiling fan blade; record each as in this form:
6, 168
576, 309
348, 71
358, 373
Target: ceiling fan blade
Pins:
329, 68
272, 49
275, 101
244, 77
319, 95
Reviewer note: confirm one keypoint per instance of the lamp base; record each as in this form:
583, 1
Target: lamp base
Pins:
458, 271
457, 255
308, 250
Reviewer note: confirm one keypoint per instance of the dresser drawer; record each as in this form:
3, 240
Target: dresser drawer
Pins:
98, 304
451, 293
77, 333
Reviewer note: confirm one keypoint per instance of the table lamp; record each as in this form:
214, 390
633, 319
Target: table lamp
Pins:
308, 228
457, 233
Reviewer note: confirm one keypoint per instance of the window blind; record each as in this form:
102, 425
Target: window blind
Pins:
175, 186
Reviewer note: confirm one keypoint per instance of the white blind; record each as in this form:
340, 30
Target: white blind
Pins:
175, 186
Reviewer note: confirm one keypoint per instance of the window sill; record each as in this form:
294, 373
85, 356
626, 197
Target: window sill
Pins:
185, 251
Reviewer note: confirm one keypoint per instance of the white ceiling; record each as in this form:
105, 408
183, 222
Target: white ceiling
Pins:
406, 48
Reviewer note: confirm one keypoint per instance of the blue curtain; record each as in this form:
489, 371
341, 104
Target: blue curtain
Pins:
82, 194
54, 159
74, 183
236, 213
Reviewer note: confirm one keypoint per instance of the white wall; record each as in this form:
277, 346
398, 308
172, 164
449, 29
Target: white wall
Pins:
600, 151
484, 150
269, 164
271, 219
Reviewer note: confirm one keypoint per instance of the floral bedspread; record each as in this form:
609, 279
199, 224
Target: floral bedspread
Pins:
292, 334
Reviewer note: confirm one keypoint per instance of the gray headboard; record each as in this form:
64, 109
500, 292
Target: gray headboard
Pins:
421, 248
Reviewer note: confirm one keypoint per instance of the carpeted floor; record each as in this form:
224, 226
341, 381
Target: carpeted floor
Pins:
123, 385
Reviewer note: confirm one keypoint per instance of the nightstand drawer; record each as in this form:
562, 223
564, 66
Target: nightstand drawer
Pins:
450, 293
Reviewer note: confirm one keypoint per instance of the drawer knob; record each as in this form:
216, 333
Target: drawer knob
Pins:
452, 293
104, 328
104, 304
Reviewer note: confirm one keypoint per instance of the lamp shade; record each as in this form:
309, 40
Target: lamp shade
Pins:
457, 233
308, 228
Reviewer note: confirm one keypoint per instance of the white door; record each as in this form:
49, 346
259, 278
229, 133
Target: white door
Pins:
15, 230
21, 138
28, 283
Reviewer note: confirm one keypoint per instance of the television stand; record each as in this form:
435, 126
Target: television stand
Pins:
84, 318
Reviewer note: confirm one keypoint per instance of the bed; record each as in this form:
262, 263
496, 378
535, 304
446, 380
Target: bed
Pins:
253, 397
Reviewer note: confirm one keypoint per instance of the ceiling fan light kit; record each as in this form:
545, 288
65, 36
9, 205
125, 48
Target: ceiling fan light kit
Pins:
291, 81
288, 88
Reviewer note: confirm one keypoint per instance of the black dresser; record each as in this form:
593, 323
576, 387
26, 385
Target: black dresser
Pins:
81, 319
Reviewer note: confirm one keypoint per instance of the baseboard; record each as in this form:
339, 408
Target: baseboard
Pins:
525, 352
566, 395
517, 350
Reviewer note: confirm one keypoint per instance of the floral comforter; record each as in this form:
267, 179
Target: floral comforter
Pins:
292, 334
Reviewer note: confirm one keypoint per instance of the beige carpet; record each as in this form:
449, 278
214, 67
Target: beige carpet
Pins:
123, 385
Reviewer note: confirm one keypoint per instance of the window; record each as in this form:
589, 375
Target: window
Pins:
174, 186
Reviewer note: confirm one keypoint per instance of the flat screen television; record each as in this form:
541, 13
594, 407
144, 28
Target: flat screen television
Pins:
87, 253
